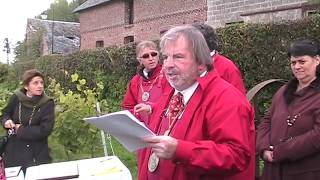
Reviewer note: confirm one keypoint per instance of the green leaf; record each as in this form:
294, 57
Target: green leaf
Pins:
74, 77
78, 87
82, 82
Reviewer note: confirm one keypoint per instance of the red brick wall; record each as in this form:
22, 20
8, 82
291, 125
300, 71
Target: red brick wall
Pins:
106, 22
100, 16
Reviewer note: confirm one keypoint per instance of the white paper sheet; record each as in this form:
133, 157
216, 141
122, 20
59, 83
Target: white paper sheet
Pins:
125, 127
13, 171
61, 170
101, 168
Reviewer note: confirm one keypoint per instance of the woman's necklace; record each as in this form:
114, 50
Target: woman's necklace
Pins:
146, 93
31, 116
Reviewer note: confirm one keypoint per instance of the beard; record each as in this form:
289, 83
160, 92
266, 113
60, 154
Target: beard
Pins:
181, 81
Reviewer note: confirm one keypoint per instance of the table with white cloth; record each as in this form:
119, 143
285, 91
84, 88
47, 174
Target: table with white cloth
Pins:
109, 167
14, 173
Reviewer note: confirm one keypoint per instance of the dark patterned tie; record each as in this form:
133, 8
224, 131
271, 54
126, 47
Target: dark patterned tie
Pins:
176, 106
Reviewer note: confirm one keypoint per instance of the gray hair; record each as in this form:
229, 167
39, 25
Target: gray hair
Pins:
144, 44
197, 43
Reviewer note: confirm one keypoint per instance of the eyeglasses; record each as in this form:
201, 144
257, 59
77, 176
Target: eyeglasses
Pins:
147, 55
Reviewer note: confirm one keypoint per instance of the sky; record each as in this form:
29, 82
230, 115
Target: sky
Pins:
13, 21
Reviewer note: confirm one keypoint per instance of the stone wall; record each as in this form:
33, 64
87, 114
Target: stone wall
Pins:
224, 12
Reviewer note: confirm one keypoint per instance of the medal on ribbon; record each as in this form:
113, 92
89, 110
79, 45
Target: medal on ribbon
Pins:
153, 162
145, 96
146, 92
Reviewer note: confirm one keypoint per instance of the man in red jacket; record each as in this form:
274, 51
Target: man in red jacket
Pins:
224, 66
204, 125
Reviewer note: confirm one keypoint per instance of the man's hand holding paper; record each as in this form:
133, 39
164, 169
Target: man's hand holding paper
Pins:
123, 126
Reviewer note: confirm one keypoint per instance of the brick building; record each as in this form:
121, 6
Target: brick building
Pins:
115, 22
226, 12
105, 23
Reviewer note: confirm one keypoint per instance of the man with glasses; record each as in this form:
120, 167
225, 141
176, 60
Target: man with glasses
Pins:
204, 125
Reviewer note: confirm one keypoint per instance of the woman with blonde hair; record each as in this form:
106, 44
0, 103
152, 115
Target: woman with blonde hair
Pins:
146, 87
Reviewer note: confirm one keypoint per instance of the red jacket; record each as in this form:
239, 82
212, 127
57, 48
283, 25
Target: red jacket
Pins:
138, 84
228, 71
134, 92
216, 135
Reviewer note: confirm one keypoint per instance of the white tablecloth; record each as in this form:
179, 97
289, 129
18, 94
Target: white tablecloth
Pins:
14, 173
109, 167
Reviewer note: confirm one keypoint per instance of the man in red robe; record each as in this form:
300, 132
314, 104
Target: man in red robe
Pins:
224, 66
209, 132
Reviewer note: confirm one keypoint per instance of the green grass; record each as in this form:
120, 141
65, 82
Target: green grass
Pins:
128, 159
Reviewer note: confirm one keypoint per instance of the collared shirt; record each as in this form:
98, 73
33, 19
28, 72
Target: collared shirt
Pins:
187, 93
212, 53
145, 73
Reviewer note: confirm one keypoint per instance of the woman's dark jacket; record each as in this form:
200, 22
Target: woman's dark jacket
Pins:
297, 144
30, 144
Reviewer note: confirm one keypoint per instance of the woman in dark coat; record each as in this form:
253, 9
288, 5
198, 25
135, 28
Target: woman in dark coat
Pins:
29, 116
288, 138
